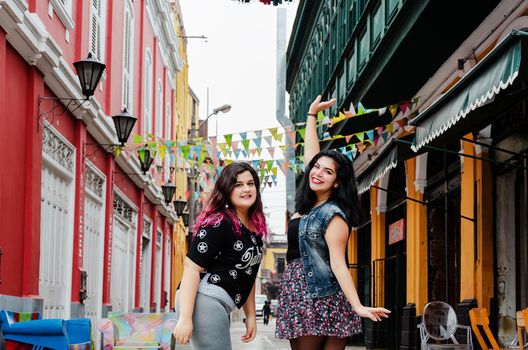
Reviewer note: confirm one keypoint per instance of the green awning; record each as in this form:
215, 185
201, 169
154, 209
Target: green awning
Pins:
388, 157
496, 72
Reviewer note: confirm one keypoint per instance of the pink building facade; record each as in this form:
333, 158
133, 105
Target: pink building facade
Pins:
83, 230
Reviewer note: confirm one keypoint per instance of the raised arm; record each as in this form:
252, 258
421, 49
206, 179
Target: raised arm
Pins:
336, 237
311, 140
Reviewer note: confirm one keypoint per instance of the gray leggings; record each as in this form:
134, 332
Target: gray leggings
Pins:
210, 324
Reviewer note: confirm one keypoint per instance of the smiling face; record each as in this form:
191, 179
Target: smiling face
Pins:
323, 177
244, 194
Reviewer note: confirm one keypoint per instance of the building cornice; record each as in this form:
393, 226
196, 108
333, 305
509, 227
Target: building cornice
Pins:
159, 14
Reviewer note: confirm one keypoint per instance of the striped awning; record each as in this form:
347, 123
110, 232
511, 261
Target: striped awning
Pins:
388, 157
494, 73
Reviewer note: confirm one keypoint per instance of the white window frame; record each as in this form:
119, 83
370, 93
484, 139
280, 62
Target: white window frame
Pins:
63, 9
168, 121
128, 55
100, 16
159, 109
147, 93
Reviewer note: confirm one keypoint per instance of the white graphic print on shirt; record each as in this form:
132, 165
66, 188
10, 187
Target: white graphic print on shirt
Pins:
252, 256
215, 278
202, 247
202, 234
238, 246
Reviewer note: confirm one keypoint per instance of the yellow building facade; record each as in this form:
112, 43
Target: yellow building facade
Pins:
185, 116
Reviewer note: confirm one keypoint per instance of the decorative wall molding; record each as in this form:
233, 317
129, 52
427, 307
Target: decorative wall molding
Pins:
95, 182
57, 149
122, 209
147, 229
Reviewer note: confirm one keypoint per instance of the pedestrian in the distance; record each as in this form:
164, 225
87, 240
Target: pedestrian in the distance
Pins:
318, 304
266, 312
222, 262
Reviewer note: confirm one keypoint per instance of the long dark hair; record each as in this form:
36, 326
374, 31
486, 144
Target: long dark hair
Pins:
345, 195
219, 203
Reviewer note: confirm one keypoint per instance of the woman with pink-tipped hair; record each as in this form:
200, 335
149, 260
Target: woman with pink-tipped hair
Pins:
222, 262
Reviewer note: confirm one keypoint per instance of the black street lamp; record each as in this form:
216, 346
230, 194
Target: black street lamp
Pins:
147, 159
123, 122
185, 217
168, 191
179, 206
90, 72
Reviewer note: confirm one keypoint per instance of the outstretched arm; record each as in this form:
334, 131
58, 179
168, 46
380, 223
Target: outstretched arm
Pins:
336, 237
311, 140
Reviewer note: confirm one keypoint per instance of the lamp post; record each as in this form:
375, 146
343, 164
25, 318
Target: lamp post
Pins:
223, 109
179, 206
192, 173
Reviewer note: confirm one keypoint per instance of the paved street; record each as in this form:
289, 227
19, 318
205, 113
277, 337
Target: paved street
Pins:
264, 340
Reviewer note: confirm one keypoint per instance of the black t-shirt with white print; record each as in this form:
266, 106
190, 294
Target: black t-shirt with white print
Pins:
232, 260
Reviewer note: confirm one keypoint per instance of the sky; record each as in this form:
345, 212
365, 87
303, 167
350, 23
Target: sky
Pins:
236, 65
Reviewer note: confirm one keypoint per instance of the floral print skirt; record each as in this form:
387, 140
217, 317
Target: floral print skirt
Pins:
298, 315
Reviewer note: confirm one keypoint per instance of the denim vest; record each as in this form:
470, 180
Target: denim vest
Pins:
314, 251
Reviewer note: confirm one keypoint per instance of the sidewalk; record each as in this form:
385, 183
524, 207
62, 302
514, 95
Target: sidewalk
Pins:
265, 339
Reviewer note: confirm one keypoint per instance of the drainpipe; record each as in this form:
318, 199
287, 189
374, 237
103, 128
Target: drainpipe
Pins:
525, 223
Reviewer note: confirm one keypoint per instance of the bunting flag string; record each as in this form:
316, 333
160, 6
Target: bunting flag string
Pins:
185, 154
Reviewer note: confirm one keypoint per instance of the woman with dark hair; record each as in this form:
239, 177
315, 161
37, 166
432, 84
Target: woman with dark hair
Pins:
318, 303
222, 262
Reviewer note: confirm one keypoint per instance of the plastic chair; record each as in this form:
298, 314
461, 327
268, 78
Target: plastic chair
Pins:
439, 322
479, 317
59, 334
521, 318
137, 330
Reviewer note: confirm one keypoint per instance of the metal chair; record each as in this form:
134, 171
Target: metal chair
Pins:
439, 323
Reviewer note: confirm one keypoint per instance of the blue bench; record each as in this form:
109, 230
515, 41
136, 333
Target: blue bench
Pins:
30, 328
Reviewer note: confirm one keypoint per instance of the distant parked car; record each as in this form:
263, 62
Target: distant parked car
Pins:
259, 303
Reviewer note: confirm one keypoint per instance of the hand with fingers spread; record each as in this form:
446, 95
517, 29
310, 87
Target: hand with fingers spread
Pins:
374, 313
251, 329
183, 331
318, 105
